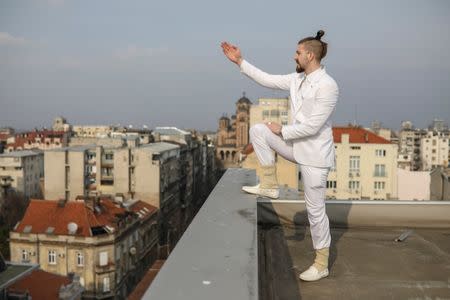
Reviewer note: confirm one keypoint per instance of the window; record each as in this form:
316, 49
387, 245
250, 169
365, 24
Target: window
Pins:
331, 184
285, 113
379, 185
284, 123
380, 170
380, 152
103, 258
274, 113
52, 257
109, 156
355, 147
25, 256
80, 259
354, 163
353, 185
265, 113
106, 285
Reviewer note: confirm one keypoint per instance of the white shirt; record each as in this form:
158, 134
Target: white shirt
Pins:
312, 105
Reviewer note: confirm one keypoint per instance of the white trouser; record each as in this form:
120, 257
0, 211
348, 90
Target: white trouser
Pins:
314, 180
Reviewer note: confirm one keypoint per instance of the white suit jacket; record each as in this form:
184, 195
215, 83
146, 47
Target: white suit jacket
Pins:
312, 106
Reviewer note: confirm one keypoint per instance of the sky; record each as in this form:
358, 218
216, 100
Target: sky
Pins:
159, 63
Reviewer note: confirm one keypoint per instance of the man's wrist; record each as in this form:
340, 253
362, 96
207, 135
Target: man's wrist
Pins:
239, 61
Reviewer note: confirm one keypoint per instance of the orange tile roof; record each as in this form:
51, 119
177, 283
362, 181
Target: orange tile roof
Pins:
36, 280
144, 208
21, 140
42, 214
358, 136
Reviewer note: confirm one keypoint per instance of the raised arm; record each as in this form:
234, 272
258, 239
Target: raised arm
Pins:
233, 53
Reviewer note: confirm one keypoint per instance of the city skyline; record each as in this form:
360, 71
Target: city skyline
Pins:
157, 64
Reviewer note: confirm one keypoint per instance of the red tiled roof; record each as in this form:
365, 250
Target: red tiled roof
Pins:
42, 214
36, 280
358, 136
21, 140
139, 207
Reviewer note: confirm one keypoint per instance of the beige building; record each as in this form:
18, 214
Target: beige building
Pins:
108, 245
366, 166
21, 172
144, 172
273, 110
92, 130
434, 150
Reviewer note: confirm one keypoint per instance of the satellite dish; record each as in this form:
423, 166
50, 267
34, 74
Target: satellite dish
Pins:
72, 227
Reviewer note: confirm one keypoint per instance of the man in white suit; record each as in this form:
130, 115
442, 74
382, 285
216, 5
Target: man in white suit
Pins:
308, 140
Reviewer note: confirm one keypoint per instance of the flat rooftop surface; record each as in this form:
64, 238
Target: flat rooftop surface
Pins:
365, 263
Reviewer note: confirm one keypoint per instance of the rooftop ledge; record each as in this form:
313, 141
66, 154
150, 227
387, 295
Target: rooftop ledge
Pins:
240, 247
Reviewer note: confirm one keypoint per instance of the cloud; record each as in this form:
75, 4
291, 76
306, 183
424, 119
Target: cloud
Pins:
7, 39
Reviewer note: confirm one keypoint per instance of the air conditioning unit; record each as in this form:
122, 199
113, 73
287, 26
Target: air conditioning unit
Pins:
375, 192
357, 174
350, 174
334, 191
61, 255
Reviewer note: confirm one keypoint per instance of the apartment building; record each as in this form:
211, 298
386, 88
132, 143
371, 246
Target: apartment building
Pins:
434, 150
108, 245
144, 172
409, 155
21, 173
366, 166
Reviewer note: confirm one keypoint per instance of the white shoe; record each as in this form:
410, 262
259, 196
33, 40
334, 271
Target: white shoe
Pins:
312, 274
256, 190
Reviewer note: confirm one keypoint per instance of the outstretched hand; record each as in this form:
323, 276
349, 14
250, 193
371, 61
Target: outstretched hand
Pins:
232, 52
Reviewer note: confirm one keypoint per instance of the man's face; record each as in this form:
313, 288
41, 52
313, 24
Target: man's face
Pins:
301, 58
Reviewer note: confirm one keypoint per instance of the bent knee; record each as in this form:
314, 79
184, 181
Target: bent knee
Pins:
258, 129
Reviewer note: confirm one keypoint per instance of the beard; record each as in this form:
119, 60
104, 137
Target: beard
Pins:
299, 68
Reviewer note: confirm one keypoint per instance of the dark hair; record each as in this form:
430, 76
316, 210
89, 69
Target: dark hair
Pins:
315, 45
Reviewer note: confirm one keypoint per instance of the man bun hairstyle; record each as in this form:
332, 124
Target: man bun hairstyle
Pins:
316, 45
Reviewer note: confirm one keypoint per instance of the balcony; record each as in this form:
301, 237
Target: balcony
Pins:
240, 247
